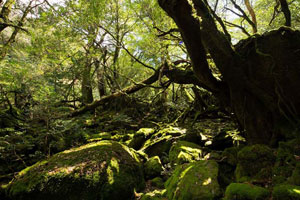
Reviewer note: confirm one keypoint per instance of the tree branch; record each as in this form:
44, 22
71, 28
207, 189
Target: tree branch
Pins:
252, 14
237, 26
190, 31
128, 52
286, 11
244, 15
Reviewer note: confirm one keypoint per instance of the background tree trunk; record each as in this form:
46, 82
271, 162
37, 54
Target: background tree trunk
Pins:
86, 86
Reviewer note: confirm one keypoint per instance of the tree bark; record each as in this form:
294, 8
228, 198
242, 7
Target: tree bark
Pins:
101, 80
261, 72
86, 85
4, 15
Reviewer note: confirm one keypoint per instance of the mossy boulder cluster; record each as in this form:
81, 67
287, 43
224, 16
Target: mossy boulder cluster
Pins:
240, 191
254, 163
264, 173
185, 152
101, 170
161, 165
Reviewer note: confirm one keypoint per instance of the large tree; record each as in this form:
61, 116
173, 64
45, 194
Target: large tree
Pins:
260, 75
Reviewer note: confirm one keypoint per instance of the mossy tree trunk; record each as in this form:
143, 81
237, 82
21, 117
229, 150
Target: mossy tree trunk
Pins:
260, 74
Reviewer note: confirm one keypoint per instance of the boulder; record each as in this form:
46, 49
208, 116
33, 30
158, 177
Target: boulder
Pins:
254, 163
295, 178
227, 166
194, 137
184, 152
221, 141
153, 167
286, 165
140, 138
197, 180
160, 143
101, 170
157, 182
244, 191
99, 136
230, 155
286, 192
154, 195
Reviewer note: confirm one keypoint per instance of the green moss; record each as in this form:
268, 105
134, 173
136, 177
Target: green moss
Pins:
254, 163
174, 131
153, 167
158, 146
243, 191
286, 192
99, 136
197, 180
295, 178
102, 170
230, 155
145, 131
126, 139
286, 162
140, 137
157, 182
160, 143
154, 195
183, 152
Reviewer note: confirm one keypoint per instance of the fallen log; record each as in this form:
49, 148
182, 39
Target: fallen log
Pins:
128, 90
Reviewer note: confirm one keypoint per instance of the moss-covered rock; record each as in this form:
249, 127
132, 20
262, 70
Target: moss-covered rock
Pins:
160, 143
295, 178
102, 170
227, 166
230, 155
254, 163
153, 167
140, 137
221, 141
244, 191
286, 192
157, 182
99, 136
154, 195
285, 165
184, 152
194, 137
197, 180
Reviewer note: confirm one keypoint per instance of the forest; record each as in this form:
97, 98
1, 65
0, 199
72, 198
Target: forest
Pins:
149, 100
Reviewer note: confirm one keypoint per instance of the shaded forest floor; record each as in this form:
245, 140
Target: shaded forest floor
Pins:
167, 139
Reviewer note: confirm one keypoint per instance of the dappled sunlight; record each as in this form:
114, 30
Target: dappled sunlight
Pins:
185, 171
90, 145
207, 181
69, 169
296, 191
112, 168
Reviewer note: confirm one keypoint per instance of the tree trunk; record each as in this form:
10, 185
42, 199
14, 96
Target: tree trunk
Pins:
86, 85
101, 79
262, 72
